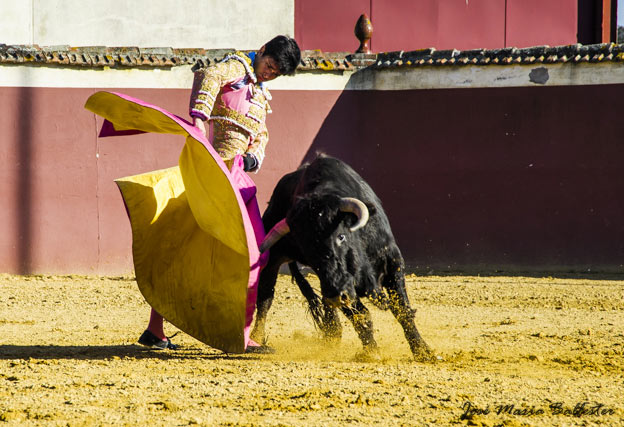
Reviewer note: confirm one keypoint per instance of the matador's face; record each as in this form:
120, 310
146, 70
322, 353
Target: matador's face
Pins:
265, 67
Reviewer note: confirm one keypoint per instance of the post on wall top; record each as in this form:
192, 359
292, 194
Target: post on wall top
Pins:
364, 32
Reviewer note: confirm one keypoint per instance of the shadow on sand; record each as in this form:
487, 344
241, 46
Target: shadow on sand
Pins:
105, 352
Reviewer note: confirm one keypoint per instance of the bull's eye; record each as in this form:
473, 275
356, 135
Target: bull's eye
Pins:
341, 238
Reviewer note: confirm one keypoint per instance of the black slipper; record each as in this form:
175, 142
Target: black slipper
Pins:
148, 339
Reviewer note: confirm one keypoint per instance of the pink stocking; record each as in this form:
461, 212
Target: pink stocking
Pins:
155, 325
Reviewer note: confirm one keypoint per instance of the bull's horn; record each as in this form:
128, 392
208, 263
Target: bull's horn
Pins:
357, 207
278, 231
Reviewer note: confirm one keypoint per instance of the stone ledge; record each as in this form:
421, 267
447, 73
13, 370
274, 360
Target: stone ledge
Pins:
312, 60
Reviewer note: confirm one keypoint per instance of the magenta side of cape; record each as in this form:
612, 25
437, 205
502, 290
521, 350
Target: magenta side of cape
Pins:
247, 190
246, 197
108, 129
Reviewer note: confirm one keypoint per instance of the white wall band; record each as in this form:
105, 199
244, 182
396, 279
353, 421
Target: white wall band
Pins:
432, 77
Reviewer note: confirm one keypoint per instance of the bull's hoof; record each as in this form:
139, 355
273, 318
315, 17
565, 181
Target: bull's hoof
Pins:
423, 353
368, 355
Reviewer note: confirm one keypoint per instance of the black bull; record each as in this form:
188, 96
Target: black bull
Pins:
325, 216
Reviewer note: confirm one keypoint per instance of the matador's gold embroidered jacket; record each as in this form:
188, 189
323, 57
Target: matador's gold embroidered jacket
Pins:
228, 95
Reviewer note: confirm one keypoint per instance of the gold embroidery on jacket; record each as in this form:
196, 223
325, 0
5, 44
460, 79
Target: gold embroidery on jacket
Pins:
233, 132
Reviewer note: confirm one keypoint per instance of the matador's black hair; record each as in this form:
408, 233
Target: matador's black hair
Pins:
285, 51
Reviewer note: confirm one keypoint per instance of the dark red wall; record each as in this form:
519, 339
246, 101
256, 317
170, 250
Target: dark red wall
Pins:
450, 24
538, 22
61, 212
526, 178
410, 25
328, 25
48, 181
520, 178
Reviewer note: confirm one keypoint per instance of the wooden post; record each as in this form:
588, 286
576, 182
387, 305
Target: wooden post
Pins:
609, 21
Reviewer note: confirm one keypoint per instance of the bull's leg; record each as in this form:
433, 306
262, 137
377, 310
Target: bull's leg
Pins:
400, 308
325, 317
362, 321
405, 316
266, 292
331, 323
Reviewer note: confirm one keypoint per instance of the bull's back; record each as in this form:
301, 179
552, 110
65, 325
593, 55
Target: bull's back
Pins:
333, 176
328, 174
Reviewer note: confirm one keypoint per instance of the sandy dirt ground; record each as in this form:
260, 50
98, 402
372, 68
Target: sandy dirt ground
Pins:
512, 351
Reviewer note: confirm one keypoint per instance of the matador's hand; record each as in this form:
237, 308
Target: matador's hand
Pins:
199, 124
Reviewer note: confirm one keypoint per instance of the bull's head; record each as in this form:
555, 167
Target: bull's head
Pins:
325, 230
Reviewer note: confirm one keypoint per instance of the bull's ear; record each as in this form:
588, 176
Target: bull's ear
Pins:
372, 210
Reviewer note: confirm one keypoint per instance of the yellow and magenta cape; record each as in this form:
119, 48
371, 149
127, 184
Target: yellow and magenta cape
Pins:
195, 228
